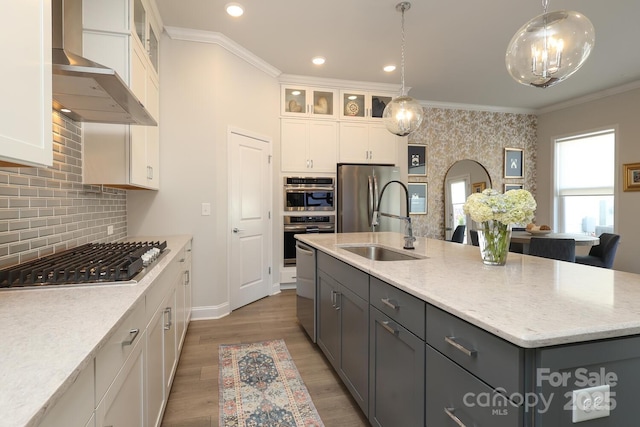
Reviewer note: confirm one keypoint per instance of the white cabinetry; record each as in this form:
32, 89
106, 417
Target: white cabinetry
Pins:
25, 114
162, 350
123, 404
75, 407
308, 145
363, 106
131, 375
362, 142
123, 156
303, 101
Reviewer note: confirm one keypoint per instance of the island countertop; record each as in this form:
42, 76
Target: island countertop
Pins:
531, 302
49, 335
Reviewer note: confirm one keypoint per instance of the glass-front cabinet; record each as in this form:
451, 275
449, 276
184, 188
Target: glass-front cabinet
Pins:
357, 105
146, 34
309, 102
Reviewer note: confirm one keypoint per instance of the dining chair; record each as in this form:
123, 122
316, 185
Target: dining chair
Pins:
458, 234
514, 246
474, 237
560, 249
601, 255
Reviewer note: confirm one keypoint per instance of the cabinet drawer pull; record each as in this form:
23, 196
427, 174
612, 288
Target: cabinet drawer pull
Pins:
391, 329
390, 303
449, 412
167, 326
132, 337
452, 341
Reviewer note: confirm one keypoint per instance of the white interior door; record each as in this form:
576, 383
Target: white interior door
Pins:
250, 180
456, 192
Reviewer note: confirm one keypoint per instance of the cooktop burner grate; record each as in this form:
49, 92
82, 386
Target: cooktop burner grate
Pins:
90, 263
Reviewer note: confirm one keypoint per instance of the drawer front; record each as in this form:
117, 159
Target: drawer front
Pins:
454, 398
356, 280
405, 309
492, 359
115, 352
161, 285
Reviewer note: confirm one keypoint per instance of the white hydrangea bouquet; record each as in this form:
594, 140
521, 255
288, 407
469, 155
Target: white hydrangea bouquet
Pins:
497, 212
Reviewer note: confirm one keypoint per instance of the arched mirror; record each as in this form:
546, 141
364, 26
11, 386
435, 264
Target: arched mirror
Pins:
463, 178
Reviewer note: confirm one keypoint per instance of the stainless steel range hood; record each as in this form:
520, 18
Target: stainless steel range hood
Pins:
90, 91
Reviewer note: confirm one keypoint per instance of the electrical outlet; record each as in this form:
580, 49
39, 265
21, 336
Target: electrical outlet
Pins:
109, 230
206, 209
590, 403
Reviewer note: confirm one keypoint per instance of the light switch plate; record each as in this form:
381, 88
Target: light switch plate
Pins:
590, 403
206, 209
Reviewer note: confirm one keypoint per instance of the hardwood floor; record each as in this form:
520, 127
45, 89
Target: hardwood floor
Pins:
193, 401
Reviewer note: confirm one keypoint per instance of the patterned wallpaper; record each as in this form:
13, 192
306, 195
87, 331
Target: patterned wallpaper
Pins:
452, 135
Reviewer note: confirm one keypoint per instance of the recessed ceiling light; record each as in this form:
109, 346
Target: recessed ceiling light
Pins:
389, 68
318, 60
65, 110
234, 9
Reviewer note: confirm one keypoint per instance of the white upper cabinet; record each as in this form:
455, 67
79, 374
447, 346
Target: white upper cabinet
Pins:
25, 110
121, 34
360, 105
368, 143
309, 145
303, 101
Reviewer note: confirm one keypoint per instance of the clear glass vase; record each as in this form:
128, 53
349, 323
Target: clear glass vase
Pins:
494, 238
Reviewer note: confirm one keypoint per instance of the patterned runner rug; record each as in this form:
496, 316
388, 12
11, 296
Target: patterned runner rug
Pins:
260, 387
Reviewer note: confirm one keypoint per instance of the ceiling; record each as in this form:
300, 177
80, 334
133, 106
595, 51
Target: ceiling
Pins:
454, 49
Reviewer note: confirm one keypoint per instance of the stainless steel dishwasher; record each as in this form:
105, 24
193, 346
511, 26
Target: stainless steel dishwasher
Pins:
306, 288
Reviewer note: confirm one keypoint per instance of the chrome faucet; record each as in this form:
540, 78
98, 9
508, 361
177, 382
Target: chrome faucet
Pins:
408, 230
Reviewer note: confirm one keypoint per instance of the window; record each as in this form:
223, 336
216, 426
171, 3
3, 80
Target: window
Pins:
585, 176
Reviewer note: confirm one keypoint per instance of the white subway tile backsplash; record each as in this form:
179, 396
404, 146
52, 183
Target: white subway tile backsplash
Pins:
47, 210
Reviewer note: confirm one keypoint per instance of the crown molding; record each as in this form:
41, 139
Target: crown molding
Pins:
199, 36
334, 83
591, 97
474, 107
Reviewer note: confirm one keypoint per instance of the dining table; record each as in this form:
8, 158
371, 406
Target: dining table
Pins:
524, 237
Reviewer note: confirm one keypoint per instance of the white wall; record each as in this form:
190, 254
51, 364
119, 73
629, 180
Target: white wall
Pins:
623, 112
204, 89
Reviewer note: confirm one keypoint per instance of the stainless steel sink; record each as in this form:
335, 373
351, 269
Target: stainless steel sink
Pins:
379, 253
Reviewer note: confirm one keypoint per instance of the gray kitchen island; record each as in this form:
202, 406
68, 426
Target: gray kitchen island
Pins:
440, 339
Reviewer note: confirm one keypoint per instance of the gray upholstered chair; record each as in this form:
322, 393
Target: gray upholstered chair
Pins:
474, 237
458, 234
601, 255
514, 246
560, 249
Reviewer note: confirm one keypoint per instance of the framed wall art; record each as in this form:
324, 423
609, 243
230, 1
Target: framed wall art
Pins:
508, 187
513, 163
417, 197
417, 159
478, 187
631, 173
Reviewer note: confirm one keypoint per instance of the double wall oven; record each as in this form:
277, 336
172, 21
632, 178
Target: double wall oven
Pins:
309, 203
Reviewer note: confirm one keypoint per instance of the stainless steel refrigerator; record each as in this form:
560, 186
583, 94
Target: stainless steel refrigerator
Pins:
358, 193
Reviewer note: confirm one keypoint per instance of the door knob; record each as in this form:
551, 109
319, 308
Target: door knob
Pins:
237, 230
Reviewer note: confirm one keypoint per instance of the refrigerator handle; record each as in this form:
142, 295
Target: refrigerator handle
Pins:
371, 200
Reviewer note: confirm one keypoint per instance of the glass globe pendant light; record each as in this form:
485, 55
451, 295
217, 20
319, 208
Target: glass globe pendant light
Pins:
550, 47
403, 114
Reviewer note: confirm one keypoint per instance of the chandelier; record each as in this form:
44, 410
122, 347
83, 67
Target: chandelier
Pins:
550, 47
403, 114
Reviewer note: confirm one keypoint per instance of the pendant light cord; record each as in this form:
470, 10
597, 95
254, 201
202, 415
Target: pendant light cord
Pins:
402, 54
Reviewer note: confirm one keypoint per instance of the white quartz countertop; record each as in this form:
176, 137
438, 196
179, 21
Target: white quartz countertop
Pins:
531, 302
47, 336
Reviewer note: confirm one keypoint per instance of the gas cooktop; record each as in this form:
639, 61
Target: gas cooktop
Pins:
93, 263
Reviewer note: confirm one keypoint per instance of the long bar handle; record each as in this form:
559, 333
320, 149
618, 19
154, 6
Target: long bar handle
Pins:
390, 303
133, 333
449, 412
452, 341
304, 250
393, 331
167, 325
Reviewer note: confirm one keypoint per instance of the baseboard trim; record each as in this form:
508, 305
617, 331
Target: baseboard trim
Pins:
211, 312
